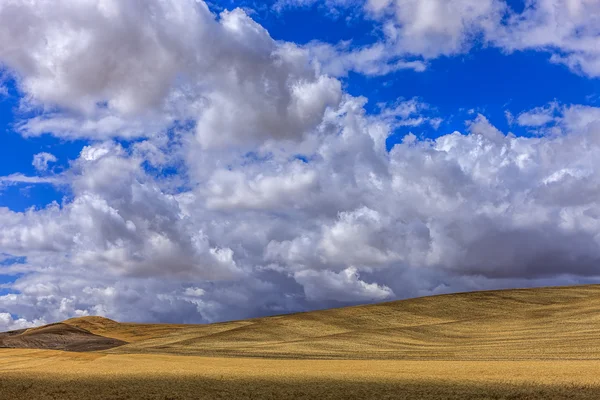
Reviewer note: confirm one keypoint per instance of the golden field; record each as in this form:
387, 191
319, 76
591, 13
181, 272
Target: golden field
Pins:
530, 344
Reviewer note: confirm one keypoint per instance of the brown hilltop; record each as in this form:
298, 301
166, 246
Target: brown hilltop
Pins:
93, 323
60, 336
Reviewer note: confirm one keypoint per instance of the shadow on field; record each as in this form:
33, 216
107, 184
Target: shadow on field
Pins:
19, 387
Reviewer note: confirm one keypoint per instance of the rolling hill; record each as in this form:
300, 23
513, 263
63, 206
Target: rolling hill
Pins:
57, 337
513, 344
525, 324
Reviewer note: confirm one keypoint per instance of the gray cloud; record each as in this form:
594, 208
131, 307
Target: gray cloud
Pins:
274, 234
131, 69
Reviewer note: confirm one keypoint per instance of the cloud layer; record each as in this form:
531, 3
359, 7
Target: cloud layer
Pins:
228, 176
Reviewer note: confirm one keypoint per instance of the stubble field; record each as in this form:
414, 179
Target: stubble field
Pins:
518, 344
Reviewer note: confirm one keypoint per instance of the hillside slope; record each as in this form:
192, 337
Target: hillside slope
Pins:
57, 337
528, 324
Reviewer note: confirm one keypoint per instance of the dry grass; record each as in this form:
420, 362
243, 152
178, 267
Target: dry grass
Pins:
124, 331
530, 344
42, 374
535, 324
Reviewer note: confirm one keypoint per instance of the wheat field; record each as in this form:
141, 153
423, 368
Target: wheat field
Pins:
529, 344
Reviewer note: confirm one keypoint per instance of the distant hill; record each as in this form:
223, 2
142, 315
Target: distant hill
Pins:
57, 337
525, 324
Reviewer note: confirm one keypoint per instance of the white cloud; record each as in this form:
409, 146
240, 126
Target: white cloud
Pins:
103, 69
41, 161
568, 29
20, 178
539, 116
103, 124
8, 323
431, 28
345, 286
414, 31
81, 53
408, 113
482, 127
510, 118
554, 118
377, 59
234, 189
578, 118
112, 224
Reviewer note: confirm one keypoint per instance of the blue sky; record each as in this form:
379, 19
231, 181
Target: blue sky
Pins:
486, 80
283, 190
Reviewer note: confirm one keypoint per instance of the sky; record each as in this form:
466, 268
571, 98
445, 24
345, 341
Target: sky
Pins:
199, 161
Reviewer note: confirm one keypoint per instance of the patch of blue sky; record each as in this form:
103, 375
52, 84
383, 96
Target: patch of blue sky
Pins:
305, 24
5, 279
5, 284
486, 81
302, 158
16, 157
20, 197
8, 260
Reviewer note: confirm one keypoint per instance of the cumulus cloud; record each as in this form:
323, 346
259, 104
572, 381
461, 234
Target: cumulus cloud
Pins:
77, 54
345, 286
8, 323
112, 223
539, 116
568, 29
272, 233
554, 118
435, 27
109, 69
